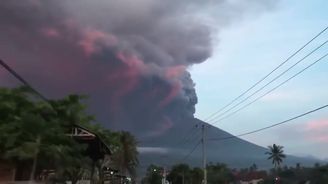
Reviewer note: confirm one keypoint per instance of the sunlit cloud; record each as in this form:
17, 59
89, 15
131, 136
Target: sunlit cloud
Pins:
317, 125
317, 130
91, 39
50, 32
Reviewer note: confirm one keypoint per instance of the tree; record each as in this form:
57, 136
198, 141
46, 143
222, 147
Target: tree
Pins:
71, 111
319, 174
26, 131
197, 175
72, 167
180, 174
34, 131
276, 154
126, 155
153, 175
253, 167
218, 173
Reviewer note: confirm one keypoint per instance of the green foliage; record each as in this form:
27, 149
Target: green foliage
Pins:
25, 131
70, 111
319, 174
125, 157
316, 175
197, 175
35, 130
153, 175
218, 173
180, 173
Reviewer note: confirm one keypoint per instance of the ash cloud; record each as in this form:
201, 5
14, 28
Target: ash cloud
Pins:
130, 56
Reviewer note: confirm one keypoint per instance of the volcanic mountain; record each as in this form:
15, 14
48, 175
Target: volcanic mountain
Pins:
177, 144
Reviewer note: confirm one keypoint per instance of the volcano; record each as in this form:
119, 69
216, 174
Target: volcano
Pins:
177, 144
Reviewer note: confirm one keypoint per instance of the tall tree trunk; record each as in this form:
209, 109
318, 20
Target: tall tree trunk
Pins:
35, 159
74, 179
93, 165
14, 174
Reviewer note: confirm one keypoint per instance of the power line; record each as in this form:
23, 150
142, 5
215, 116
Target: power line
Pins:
194, 148
266, 76
271, 81
189, 135
191, 151
21, 79
185, 157
183, 141
191, 138
268, 127
243, 107
188, 154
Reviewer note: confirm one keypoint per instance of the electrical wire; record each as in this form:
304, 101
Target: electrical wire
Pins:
191, 151
268, 127
270, 82
21, 79
266, 76
284, 82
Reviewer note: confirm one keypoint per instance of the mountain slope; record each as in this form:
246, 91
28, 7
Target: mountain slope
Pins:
168, 149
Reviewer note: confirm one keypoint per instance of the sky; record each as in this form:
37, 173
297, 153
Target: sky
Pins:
152, 65
247, 51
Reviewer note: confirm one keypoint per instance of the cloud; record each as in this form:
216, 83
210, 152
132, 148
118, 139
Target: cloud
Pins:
91, 38
317, 125
50, 32
317, 130
314, 131
152, 150
130, 56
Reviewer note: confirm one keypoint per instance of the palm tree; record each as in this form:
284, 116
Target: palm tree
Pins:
276, 154
126, 157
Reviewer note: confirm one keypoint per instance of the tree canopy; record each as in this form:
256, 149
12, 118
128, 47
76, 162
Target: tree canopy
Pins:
36, 131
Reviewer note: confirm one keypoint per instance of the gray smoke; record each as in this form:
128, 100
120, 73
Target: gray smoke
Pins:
130, 56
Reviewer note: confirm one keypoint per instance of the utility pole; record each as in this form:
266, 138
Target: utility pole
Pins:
164, 176
204, 153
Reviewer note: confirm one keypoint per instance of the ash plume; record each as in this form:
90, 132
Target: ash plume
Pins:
130, 56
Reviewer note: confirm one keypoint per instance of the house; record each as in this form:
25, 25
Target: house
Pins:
254, 181
252, 177
96, 148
